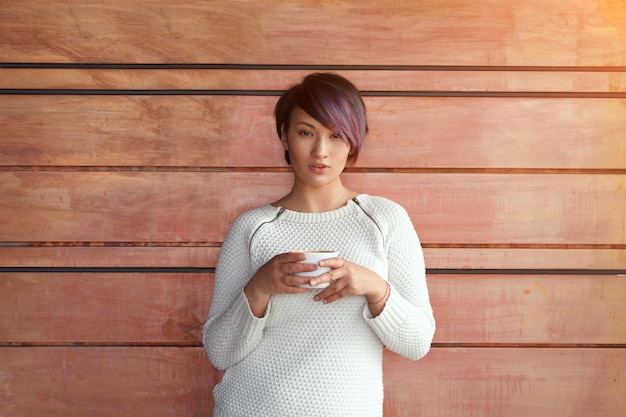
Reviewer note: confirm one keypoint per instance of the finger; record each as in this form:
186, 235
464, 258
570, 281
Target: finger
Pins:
333, 262
289, 257
296, 268
296, 280
333, 288
328, 297
294, 289
330, 276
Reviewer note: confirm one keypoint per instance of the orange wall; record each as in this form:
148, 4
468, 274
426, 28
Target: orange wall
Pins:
132, 133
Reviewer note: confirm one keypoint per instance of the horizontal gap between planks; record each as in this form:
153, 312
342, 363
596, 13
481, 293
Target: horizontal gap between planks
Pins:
181, 244
174, 270
290, 67
529, 345
199, 345
104, 269
478, 94
353, 170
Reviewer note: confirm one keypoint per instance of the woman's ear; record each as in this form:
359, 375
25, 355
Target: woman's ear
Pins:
283, 138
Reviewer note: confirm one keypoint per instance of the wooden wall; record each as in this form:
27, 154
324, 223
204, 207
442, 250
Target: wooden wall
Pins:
132, 133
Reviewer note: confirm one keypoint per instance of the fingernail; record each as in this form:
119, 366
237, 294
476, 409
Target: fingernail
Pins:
316, 298
312, 283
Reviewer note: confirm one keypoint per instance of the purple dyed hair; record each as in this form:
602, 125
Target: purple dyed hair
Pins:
331, 100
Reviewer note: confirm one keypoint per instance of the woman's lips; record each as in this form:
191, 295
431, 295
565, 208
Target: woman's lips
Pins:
319, 167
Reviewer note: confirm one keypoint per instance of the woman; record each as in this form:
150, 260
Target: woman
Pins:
291, 351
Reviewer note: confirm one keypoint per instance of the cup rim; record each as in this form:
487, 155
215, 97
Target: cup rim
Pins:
314, 251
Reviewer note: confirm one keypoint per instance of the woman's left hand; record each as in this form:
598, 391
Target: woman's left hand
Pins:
350, 279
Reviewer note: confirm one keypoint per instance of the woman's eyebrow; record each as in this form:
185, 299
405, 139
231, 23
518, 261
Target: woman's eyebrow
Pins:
306, 124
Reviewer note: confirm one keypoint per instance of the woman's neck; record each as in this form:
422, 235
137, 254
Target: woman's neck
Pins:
316, 200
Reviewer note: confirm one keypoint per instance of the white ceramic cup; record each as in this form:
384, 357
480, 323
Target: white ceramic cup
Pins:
313, 257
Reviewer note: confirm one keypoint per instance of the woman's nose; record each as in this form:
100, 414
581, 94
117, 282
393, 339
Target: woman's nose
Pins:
321, 148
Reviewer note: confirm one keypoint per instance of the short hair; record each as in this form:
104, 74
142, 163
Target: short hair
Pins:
333, 101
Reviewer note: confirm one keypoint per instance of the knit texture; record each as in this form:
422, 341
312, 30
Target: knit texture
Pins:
306, 358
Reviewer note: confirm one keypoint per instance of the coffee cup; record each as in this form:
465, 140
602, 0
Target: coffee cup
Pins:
314, 257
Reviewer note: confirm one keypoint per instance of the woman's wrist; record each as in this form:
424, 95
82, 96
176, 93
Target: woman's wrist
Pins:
257, 300
379, 296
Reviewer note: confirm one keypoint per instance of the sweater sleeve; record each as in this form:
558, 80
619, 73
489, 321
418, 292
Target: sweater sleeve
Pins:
406, 325
232, 331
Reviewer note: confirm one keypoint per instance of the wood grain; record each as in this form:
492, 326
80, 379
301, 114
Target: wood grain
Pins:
529, 309
233, 131
498, 124
127, 255
484, 32
424, 79
104, 308
201, 255
191, 206
157, 308
105, 382
507, 382
447, 382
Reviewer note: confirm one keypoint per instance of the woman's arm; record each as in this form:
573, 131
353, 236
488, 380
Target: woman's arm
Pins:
242, 297
406, 324
232, 331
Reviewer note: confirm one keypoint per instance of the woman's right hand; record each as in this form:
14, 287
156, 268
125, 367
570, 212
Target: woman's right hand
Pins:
277, 277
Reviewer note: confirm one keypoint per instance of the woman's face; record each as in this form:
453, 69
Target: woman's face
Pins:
318, 155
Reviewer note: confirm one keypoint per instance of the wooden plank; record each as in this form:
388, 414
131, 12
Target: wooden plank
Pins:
155, 308
524, 258
182, 255
568, 32
103, 382
106, 382
227, 131
199, 206
507, 382
401, 79
176, 255
178, 131
104, 308
484, 309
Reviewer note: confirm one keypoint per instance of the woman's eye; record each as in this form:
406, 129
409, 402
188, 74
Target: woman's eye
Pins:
305, 133
336, 136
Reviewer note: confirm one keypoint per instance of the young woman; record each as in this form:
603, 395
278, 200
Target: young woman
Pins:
291, 351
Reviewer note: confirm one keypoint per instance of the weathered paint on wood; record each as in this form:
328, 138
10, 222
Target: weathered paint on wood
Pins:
233, 131
105, 381
487, 79
448, 32
496, 382
104, 307
518, 164
199, 206
558, 309
204, 255
488, 382
144, 308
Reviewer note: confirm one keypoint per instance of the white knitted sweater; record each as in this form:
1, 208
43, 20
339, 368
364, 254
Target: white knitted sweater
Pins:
306, 358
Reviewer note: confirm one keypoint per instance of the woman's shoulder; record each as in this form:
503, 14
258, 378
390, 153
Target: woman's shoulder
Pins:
387, 213
245, 224
392, 218
252, 217
380, 205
